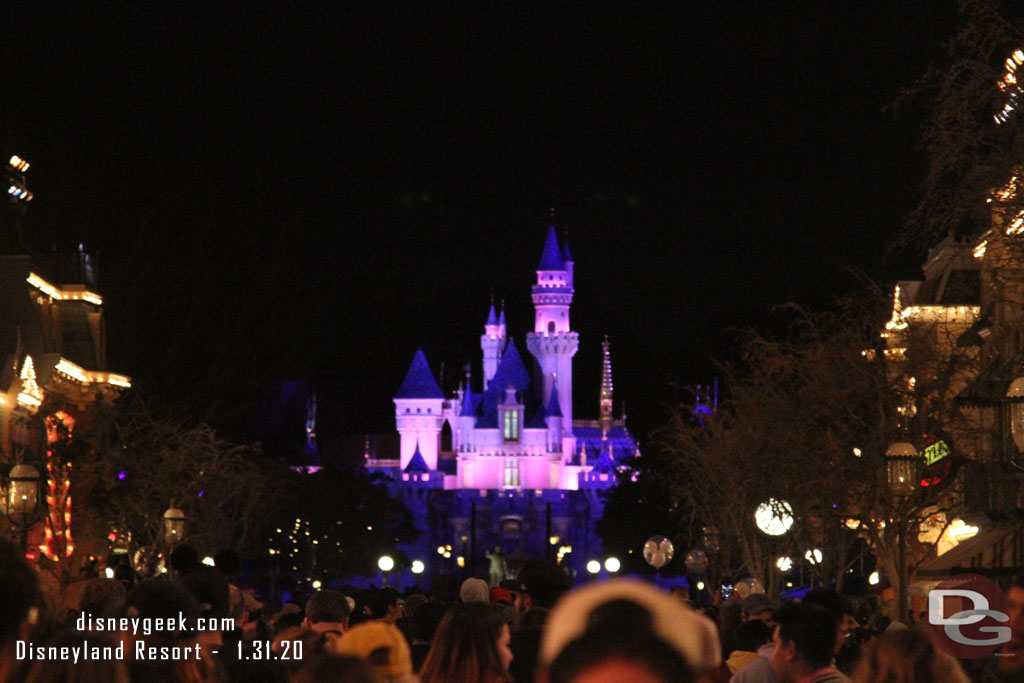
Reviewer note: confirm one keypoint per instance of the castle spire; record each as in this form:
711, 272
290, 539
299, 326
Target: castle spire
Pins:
606, 386
492, 342
551, 258
492, 319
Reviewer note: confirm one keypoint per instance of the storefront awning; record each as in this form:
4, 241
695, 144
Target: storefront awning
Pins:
993, 552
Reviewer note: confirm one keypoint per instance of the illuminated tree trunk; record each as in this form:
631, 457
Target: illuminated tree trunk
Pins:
58, 544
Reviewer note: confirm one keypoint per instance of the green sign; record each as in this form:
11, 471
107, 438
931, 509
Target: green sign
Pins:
935, 452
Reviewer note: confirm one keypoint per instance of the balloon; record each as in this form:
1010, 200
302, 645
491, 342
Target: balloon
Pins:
696, 562
658, 551
148, 562
748, 586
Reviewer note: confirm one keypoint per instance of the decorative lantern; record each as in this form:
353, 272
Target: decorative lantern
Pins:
174, 525
23, 495
902, 468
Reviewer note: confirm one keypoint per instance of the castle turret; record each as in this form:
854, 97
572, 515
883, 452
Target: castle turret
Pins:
492, 343
466, 421
419, 413
567, 260
553, 342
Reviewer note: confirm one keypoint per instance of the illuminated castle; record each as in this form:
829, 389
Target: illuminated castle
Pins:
508, 465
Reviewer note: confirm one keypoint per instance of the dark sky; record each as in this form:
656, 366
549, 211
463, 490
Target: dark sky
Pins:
296, 192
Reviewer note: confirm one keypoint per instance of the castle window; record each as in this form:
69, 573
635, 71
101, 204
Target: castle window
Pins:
512, 473
512, 425
551, 327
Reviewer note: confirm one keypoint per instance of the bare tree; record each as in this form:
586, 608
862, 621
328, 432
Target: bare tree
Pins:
807, 419
142, 465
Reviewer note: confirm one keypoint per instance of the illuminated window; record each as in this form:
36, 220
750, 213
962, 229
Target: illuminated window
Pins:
511, 425
512, 473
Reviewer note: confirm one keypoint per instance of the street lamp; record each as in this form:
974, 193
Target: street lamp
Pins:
593, 567
22, 500
174, 525
385, 564
902, 470
417, 568
902, 467
612, 564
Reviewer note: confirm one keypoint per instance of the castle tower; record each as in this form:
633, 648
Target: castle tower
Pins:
419, 413
492, 343
606, 387
553, 342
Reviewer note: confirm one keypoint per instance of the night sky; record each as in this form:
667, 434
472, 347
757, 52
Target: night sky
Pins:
293, 192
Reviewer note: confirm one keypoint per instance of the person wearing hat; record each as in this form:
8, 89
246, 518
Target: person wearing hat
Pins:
474, 590
382, 645
759, 607
502, 599
542, 583
627, 630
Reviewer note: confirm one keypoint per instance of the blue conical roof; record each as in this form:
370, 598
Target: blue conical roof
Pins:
470, 401
492, 319
510, 373
566, 254
417, 465
554, 408
419, 382
551, 259
501, 316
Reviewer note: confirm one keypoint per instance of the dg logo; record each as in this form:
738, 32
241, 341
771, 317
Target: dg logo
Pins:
965, 614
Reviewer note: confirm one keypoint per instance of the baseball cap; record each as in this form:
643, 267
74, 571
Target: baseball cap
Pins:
474, 590
501, 595
691, 635
755, 603
379, 643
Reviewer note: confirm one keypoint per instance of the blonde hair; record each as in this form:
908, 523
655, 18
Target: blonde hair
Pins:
907, 656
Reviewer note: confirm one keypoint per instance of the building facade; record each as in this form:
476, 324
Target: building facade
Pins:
54, 346
501, 469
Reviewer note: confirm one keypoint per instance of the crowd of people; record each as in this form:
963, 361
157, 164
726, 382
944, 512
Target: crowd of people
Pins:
197, 626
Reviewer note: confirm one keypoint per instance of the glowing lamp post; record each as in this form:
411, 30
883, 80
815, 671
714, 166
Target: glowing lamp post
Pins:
902, 468
174, 525
22, 499
902, 471
417, 568
385, 564
593, 568
612, 565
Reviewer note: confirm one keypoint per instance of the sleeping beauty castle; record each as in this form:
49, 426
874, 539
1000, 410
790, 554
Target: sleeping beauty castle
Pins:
501, 469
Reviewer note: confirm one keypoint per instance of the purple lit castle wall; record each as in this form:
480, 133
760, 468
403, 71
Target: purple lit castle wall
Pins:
522, 475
